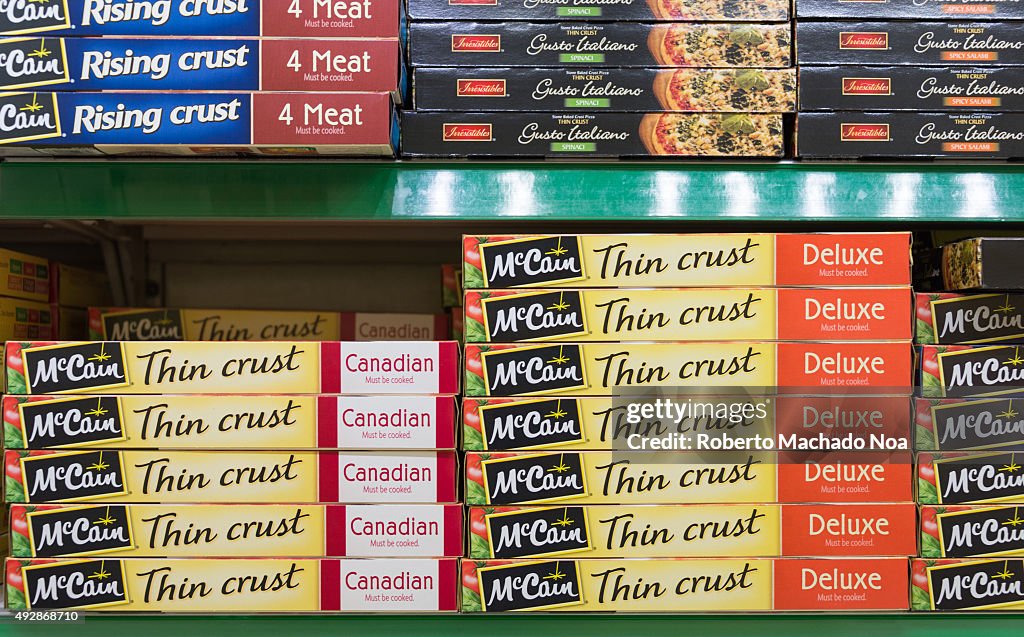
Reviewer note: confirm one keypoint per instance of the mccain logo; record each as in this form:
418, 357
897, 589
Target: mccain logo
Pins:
978, 424
28, 116
55, 369
534, 317
533, 586
982, 371
985, 584
979, 478
534, 370
528, 262
33, 16
28, 62
978, 318
78, 584
535, 478
80, 531
75, 422
144, 325
980, 532
532, 424
74, 476
538, 532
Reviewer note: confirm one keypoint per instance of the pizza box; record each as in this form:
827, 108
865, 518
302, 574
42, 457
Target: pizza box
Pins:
601, 10
910, 10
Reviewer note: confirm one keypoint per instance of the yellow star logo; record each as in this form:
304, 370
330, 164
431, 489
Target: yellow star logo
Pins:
558, 250
561, 305
106, 520
99, 465
1013, 467
1010, 411
1006, 307
32, 106
561, 359
101, 574
99, 411
41, 52
166, 320
1016, 360
557, 575
561, 467
39, 1
564, 520
1005, 573
102, 355
1015, 520
558, 413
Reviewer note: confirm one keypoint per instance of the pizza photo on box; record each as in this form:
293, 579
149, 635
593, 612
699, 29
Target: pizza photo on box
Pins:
712, 134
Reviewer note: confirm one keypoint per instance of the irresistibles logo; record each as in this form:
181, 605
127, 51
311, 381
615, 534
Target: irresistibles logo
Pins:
864, 133
532, 424
984, 584
978, 318
863, 40
533, 586
522, 371
527, 262
78, 584
534, 317
980, 532
75, 422
68, 368
144, 325
980, 478
534, 478
490, 43
27, 62
480, 88
87, 530
28, 116
867, 86
978, 424
537, 532
33, 16
70, 477
466, 133
982, 371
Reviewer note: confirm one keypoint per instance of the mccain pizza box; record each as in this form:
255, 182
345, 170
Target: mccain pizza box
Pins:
691, 585
970, 370
159, 64
246, 585
460, 134
967, 424
910, 42
910, 9
634, 423
982, 263
971, 531
197, 123
684, 477
229, 422
970, 478
951, 318
698, 530
967, 585
592, 90
228, 477
24, 276
593, 44
902, 135
705, 314
78, 287
238, 530
686, 260
912, 88
601, 10
602, 369
219, 18
232, 367
26, 319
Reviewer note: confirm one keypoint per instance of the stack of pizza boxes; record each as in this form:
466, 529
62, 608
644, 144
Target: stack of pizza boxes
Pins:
734, 409
970, 431
907, 78
508, 78
253, 77
183, 476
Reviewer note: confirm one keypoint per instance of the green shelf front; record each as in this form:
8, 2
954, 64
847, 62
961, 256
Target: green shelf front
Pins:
612, 191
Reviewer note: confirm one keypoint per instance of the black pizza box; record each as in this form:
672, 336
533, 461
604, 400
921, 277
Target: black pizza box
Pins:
910, 42
589, 90
462, 134
929, 88
911, 9
651, 10
849, 134
984, 263
594, 44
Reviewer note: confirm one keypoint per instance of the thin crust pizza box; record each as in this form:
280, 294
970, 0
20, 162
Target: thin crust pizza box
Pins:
601, 10
684, 477
910, 42
698, 530
533, 44
77, 287
979, 477
982, 263
605, 369
959, 531
197, 124
688, 314
690, 585
912, 88
232, 367
957, 371
459, 134
26, 319
217, 18
230, 477
24, 276
910, 10
968, 585
590, 90
229, 422
901, 135
238, 530
44, 63
634, 423
245, 585
955, 318
686, 260
968, 424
